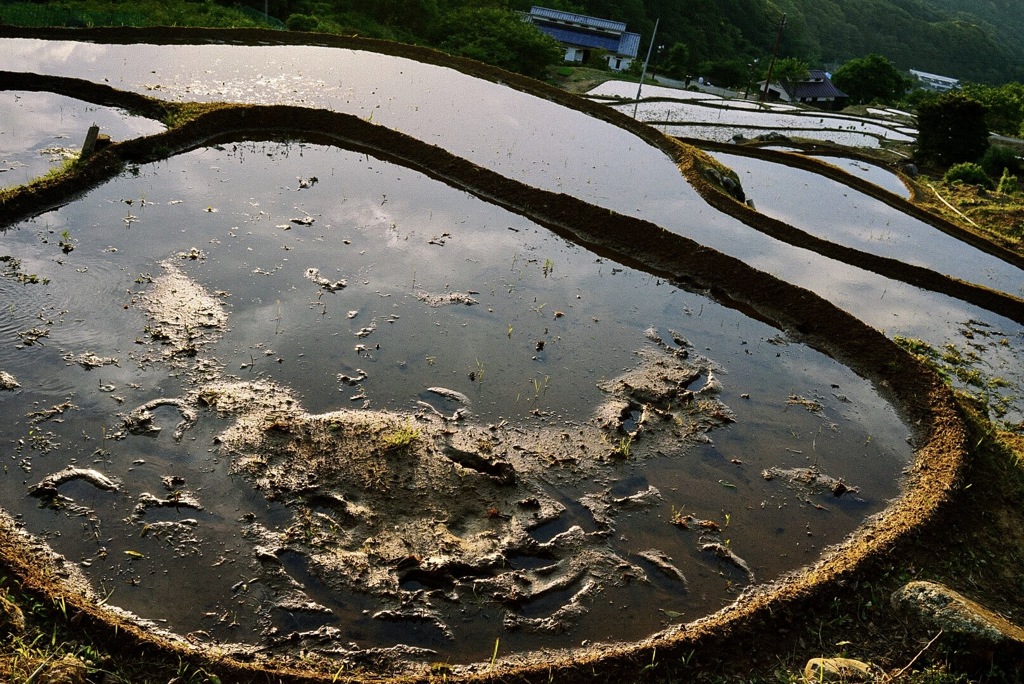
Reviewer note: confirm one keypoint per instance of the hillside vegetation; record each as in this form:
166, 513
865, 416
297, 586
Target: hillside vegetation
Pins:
974, 40
968, 39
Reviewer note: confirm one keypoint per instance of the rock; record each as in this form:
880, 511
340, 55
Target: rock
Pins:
12, 620
7, 381
936, 607
713, 175
837, 670
66, 670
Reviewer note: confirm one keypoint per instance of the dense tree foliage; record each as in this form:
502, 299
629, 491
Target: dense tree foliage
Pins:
791, 69
999, 159
951, 129
499, 37
870, 79
1005, 106
676, 61
973, 40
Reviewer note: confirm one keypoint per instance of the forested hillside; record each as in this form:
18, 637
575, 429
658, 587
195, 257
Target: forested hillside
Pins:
976, 40
728, 41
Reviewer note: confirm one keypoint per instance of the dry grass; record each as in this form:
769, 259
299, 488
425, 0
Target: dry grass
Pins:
995, 216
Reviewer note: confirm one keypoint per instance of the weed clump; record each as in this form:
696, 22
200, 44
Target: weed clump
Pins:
1008, 184
968, 173
402, 438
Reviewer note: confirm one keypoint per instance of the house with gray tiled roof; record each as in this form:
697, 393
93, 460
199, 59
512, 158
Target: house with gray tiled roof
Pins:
817, 91
583, 36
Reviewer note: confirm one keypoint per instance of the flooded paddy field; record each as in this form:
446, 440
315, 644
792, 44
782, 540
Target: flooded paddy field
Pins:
696, 115
43, 130
843, 215
513, 133
440, 291
299, 397
724, 133
866, 223
873, 173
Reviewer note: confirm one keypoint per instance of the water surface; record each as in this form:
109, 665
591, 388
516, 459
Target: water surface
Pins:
392, 233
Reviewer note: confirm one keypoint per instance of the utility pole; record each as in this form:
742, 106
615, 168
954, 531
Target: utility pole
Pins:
771, 65
643, 73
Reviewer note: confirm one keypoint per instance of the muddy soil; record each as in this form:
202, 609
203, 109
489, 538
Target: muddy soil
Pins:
425, 511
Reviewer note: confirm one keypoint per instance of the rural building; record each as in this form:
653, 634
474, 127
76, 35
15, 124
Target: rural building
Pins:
934, 81
584, 37
816, 90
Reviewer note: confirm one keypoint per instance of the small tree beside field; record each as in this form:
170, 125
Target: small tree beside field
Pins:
951, 129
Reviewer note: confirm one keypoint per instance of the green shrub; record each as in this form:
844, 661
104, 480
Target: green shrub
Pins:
999, 157
968, 173
1008, 184
302, 22
402, 437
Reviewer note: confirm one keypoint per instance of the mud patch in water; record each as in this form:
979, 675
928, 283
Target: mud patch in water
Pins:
427, 514
184, 316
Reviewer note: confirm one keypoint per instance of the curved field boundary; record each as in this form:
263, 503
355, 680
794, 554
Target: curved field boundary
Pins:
806, 163
87, 91
993, 300
926, 404
784, 130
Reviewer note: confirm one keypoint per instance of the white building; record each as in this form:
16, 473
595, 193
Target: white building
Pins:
581, 36
934, 81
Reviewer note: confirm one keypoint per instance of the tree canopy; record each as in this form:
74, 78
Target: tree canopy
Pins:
951, 129
500, 37
870, 79
721, 35
790, 69
1005, 106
